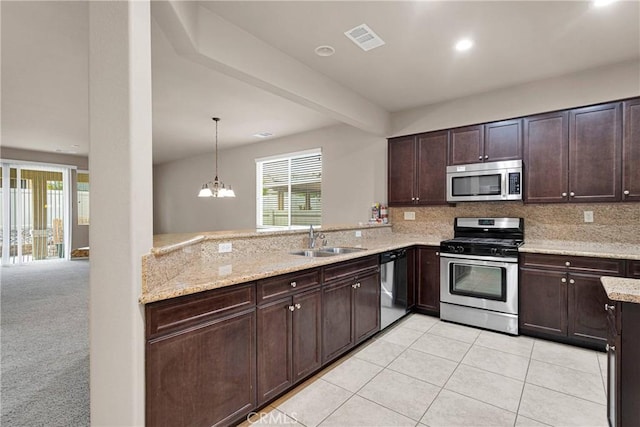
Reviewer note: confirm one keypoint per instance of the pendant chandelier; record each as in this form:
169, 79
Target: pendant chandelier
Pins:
216, 188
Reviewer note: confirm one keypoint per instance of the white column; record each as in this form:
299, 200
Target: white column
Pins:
121, 205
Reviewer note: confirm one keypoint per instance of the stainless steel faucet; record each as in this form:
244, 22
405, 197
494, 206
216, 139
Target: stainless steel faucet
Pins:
313, 236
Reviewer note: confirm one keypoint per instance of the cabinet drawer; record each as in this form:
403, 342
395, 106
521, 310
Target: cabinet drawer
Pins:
607, 266
351, 268
287, 284
633, 269
180, 313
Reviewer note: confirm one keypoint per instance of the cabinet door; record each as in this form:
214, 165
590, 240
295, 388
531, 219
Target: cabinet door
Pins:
543, 302
366, 306
274, 348
587, 317
595, 153
466, 145
411, 277
401, 171
337, 334
202, 377
503, 141
428, 263
631, 151
546, 161
307, 333
432, 168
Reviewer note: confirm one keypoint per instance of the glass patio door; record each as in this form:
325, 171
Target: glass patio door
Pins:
35, 213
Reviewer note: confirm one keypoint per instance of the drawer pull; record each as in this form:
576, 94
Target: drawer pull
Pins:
563, 280
567, 263
572, 281
291, 308
608, 307
626, 192
564, 194
298, 306
572, 194
610, 347
294, 284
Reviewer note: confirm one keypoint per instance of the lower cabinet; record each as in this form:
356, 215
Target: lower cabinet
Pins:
623, 370
428, 283
350, 307
561, 297
191, 379
289, 337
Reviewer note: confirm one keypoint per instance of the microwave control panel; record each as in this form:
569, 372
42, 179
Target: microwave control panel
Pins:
514, 182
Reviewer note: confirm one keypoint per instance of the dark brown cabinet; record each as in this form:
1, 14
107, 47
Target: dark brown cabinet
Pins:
491, 142
595, 153
631, 151
289, 342
546, 157
574, 155
350, 305
428, 274
191, 379
623, 370
561, 297
416, 169
633, 269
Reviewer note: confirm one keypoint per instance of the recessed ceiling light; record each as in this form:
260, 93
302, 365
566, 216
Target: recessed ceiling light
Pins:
602, 3
325, 51
464, 44
263, 134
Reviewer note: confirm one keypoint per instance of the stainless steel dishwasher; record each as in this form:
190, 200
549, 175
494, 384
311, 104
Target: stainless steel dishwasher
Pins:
393, 286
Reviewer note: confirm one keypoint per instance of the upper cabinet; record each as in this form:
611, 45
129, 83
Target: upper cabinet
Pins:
631, 151
588, 154
491, 142
417, 169
595, 153
574, 155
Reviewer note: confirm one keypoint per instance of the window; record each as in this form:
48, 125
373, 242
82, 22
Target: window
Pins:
289, 190
83, 198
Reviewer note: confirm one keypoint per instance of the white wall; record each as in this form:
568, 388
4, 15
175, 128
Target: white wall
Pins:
587, 87
354, 176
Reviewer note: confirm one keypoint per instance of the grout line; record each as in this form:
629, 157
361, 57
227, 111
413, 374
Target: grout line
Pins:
524, 383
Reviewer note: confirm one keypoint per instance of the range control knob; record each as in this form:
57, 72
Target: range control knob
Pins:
459, 249
451, 248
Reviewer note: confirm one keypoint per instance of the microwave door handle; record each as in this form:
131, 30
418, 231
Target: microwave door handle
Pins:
505, 182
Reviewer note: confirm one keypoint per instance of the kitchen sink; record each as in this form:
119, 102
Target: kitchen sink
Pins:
313, 253
324, 252
341, 250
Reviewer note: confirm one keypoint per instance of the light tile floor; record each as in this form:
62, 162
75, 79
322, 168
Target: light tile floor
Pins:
423, 371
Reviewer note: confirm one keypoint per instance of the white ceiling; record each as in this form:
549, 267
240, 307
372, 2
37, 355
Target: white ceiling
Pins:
45, 81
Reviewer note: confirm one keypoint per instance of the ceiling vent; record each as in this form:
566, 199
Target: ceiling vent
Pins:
364, 37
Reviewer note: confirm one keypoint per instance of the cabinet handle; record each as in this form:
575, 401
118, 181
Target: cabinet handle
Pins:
564, 194
417, 198
291, 308
294, 284
563, 280
567, 263
486, 157
626, 192
354, 286
479, 157
413, 198
298, 306
572, 281
437, 253
608, 307
572, 194
610, 347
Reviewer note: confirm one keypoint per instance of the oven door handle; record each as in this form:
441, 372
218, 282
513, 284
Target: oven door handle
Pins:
480, 258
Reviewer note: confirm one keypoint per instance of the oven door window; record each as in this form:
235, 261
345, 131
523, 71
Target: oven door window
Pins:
477, 185
478, 281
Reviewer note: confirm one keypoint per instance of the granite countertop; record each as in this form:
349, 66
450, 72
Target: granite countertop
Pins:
622, 289
204, 276
592, 249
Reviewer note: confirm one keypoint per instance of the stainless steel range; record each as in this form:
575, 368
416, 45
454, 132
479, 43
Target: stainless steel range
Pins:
479, 273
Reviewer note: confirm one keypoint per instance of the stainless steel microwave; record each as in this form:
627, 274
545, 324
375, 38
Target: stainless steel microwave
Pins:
480, 182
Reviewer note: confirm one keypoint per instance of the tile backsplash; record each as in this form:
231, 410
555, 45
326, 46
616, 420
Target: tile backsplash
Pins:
613, 222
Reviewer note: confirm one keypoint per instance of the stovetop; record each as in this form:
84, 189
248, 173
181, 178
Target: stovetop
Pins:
497, 237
